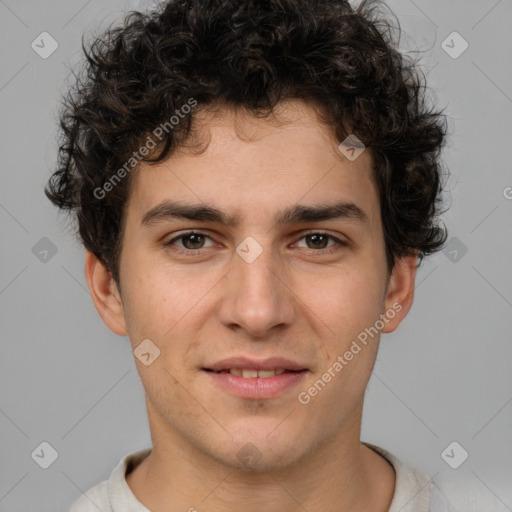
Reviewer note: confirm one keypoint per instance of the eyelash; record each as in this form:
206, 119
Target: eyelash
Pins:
316, 252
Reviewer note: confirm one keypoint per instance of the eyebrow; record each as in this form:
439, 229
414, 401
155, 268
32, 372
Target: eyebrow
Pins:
168, 210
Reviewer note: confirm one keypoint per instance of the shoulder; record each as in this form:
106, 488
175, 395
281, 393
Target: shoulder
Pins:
113, 495
414, 491
438, 501
96, 498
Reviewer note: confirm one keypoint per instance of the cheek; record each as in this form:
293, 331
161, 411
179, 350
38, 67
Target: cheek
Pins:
147, 311
349, 305
348, 355
155, 298
346, 302
168, 307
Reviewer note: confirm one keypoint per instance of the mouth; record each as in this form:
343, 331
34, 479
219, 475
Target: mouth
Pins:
248, 373
250, 379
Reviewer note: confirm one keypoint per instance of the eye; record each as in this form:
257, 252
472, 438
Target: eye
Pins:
317, 242
191, 241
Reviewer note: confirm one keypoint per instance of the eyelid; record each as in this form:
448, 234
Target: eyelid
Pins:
188, 232
339, 242
322, 232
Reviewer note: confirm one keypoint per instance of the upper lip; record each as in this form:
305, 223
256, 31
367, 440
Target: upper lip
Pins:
271, 363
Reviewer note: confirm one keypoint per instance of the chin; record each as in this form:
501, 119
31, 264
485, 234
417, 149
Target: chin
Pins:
261, 452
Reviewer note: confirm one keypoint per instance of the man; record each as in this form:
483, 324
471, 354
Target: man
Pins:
255, 183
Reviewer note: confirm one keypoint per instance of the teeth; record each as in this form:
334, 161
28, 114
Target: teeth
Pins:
252, 374
266, 373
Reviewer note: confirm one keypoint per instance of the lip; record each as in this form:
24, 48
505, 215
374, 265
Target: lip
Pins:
271, 363
257, 387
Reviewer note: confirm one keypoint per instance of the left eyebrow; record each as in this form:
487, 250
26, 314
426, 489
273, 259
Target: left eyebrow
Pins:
315, 213
168, 210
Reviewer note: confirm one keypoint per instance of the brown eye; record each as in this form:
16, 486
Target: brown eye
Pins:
319, 243
318, 240
191, 242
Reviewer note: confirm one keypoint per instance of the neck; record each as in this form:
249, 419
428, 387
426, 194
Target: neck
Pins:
340, 475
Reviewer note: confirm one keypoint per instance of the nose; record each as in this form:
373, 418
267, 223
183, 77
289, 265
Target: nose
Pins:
256, 297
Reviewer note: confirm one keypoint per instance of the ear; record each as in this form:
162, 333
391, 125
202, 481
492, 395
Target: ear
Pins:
400, 291
104, 294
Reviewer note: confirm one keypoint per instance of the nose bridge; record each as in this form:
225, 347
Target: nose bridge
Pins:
259, 279
256, 299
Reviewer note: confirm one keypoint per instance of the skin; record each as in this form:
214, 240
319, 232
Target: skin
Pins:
291, 302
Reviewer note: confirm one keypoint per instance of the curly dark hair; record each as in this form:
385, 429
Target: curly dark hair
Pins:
249, 54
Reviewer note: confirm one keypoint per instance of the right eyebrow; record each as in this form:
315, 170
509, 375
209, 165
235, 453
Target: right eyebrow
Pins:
168, 210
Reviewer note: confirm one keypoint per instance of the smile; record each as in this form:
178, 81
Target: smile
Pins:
255, 384
252, 374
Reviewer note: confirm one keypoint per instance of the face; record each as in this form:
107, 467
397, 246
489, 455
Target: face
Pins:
270, 271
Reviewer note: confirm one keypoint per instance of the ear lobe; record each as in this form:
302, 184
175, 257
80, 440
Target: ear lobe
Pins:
104, 294
400, 292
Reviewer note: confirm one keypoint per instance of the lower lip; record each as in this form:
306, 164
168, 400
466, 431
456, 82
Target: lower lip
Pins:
257, 388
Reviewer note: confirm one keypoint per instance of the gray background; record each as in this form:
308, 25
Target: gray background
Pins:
444, 376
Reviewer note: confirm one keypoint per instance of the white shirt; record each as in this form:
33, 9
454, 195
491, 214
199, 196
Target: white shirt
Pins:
414, 491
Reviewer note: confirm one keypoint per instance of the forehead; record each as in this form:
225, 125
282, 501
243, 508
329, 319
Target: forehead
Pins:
247, 165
